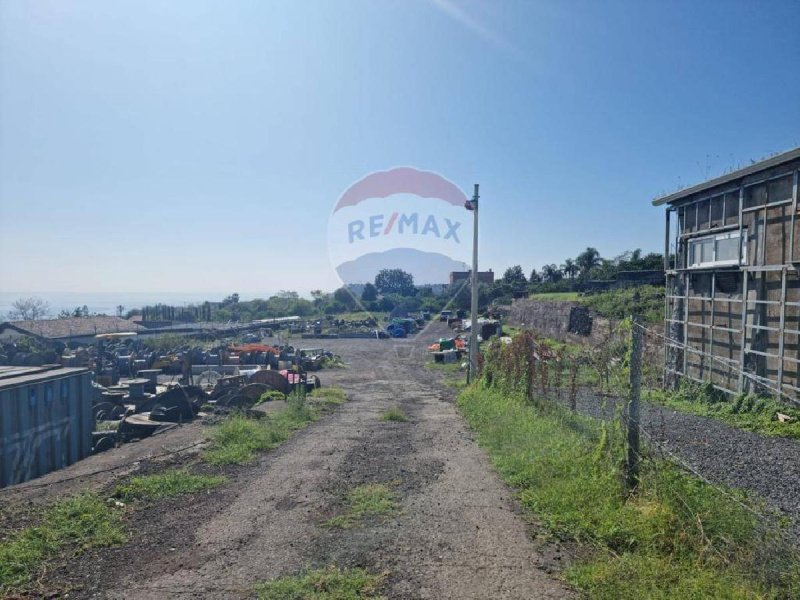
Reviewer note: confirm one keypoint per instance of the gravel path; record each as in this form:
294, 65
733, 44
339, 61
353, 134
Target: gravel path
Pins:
766, 465
458, 534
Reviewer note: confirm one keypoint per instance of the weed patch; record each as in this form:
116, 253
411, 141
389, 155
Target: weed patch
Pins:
169, 484
745, 411
106, 425
271, 396
323, 584
557, 296
238, 439
394, 414
72, 525
329, 395
676, 533
375, 499
454, 367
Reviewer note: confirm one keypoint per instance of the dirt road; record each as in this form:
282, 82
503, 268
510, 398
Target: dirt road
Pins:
458, 533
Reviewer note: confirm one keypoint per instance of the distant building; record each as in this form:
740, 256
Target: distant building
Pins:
733, 295
67, 330
483, 276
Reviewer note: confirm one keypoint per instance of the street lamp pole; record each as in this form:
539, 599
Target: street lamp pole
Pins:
473, 334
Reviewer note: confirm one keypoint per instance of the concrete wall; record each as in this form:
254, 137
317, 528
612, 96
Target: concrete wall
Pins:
565, 321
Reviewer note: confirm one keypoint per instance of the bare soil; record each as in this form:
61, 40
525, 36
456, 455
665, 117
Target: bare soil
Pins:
458, 532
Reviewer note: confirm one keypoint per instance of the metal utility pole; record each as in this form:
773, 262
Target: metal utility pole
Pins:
473, 334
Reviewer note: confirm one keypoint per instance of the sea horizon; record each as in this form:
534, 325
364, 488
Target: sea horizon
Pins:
107, 302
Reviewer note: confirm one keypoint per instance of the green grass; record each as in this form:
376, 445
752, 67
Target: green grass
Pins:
237, 440
369, 500
456, 377
621, 304
175, 482
676, 538
560, 296
71, 525
323, 584
457, 383
453, 367
329, 395
271, 396
394, 414
749, 412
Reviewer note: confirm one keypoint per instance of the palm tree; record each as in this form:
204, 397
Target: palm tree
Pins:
569, 268
551, 273
588, 260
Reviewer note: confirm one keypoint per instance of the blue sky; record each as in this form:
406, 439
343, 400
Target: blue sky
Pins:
199, 146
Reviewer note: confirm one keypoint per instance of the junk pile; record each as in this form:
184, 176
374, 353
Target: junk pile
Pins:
401, 327
486, 328
448, 350
330, 327
136, 408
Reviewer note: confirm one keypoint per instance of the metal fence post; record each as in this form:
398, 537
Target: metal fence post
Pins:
632, 412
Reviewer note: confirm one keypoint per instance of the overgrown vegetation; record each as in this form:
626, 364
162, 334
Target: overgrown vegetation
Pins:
557, 296
328, 395
746, 411
394, 414
72, 525
369, 500
171, 483
647, 301
676, 537
106, 425
237, 439
454, 367
323, 584
271, 396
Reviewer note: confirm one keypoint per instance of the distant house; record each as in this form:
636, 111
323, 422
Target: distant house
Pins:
733, 294
483, 276
66, 330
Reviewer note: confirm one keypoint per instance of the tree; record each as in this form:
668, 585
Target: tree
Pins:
535, 276
120, 310
551, 273
232, 299
345, 298
317, 297
29, 309
369, 293
588, 260
514, 276
569, 268
395, 281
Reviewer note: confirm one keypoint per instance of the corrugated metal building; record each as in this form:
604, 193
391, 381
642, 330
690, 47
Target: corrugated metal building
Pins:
732, 254
45, 420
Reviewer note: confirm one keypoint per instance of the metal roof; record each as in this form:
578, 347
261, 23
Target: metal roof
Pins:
762, 165
14, 376
74, 326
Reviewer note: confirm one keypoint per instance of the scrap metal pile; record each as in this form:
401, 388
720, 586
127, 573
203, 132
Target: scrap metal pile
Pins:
221, 379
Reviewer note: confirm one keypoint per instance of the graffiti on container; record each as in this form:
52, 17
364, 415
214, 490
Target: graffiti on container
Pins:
23, 448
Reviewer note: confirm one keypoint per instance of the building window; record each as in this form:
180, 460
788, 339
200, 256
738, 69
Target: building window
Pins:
716, 250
